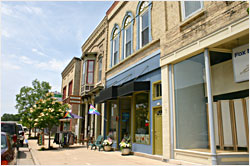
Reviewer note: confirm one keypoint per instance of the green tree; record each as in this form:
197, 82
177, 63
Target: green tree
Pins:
48, 111
27, 98
10, 117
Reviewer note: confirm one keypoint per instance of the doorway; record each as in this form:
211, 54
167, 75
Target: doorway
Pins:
157, 127
125, 120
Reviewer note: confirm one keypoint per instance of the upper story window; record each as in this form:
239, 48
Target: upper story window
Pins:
115, 46
144, 23
100, 69
189, 8
127, 35
84, 72
70, 88
90, 72
64, 92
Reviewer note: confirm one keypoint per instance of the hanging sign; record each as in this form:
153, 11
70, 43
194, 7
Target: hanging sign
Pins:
241, 63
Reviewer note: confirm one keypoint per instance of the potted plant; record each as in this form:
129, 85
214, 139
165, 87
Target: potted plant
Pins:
125, 146
107, 144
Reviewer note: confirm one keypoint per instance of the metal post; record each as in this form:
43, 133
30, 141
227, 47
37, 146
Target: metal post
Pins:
210, 108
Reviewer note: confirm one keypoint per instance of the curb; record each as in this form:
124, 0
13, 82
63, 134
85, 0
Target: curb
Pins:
33, 156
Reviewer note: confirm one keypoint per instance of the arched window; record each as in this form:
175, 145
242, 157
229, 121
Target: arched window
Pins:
115, 45
143, 23
127, 35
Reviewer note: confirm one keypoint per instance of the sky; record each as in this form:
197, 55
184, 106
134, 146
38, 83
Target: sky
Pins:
39, 39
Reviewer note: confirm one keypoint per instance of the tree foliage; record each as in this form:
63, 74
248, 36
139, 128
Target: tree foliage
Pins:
10, 117
27, 98
47, 112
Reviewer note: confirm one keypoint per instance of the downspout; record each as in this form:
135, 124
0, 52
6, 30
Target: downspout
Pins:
210, 107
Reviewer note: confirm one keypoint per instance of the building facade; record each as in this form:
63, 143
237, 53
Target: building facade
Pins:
93, 66
132, 93
71, 86
205, 82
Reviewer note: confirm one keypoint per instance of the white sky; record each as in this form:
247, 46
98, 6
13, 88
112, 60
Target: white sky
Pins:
38, 40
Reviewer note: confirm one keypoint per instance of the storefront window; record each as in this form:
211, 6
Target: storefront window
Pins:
190, 104
142, 118
113, 121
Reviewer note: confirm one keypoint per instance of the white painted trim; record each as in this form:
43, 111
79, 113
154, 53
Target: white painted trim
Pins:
141, 61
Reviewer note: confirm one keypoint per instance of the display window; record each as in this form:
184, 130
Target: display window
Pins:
113, 120
142, 118
230, 105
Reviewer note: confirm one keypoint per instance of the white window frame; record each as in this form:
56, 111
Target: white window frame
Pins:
190, 15
141, 14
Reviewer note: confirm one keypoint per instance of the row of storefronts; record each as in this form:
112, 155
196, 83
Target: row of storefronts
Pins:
176, 83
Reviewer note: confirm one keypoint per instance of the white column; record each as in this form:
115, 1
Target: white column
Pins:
97, 121
210, 107
86, 121
103, 121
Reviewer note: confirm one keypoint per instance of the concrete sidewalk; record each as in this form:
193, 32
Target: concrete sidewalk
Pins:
80, 155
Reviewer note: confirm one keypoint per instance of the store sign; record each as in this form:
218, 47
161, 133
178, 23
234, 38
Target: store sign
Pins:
75, 99
241, 63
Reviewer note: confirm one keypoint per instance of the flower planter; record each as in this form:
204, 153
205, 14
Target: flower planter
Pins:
126, 151
107, 148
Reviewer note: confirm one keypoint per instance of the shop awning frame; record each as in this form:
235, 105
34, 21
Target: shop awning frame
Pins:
107, 94
131, 87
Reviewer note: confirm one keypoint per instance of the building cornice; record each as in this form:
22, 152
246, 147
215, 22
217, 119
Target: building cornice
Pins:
69, 67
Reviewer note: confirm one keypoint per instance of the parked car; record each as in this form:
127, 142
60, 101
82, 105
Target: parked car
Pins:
20, 133
8, 151
12, 129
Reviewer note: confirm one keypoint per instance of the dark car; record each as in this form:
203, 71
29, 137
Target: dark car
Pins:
8, 151
12, 129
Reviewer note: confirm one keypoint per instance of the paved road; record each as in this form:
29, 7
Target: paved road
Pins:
80, 155
24, 156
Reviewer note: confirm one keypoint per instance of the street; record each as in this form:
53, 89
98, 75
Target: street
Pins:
78, 155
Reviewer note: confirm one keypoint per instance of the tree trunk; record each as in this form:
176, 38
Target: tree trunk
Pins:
35, 131
49, 137
29, 132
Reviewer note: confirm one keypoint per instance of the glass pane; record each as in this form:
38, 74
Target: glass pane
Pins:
115, 58
158, 90
145, 20
100, 70
145, 37
113, 115
83, 73
190, 104
142, 117
116, 46
90, 78
128, 34
128, 49
91, 66
3, 142
191, 7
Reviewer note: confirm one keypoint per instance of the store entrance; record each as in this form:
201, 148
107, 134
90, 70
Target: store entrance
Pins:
125, 120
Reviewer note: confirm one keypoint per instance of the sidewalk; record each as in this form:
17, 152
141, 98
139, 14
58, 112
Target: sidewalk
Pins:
80, 155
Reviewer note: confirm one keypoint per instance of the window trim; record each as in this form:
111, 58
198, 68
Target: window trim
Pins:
64, 94
193, 13
154, 90
116, 27
138, 20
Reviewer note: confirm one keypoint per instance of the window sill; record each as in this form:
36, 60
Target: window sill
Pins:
192, 18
